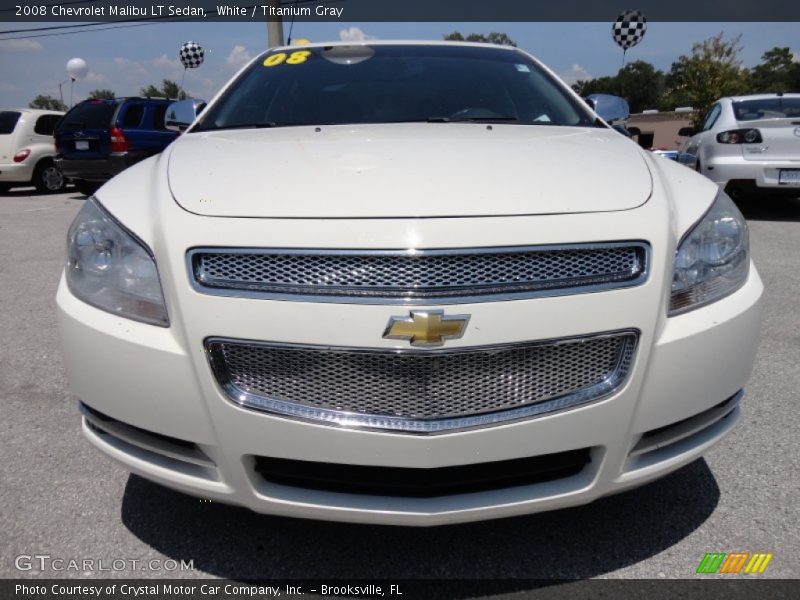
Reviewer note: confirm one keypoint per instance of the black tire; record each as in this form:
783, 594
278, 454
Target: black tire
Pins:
87, 188
48, 178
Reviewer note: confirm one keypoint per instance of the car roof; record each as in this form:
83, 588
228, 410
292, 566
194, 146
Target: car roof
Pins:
759, 97
34, 111
121, 99
394, 43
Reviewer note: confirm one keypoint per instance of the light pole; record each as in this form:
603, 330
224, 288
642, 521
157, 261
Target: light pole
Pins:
274, 26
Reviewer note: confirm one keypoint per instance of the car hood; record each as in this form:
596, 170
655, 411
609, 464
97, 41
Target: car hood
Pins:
407, 170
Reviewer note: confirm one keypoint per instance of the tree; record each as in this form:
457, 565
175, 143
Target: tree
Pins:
169, 89
492, 38
712, 71
641, 84
47, 103
102, 94
638, 82
777, 72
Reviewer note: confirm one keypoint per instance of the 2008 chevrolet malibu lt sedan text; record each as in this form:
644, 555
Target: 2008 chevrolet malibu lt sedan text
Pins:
408, 283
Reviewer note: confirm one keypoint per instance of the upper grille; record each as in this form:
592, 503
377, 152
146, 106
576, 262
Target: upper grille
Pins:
432, 276
422, 392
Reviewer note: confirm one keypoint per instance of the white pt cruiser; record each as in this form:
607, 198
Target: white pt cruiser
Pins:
408, 283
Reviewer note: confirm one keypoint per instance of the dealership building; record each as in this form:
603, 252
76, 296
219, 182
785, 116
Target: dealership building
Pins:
659, 130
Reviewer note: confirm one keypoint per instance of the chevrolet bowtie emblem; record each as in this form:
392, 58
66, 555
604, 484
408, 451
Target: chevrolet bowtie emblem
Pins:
426, 327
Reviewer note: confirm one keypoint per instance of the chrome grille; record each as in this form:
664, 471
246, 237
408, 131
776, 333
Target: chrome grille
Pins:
422, 392
432, 276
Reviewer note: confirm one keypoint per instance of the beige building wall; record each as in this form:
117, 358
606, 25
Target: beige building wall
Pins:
659, 131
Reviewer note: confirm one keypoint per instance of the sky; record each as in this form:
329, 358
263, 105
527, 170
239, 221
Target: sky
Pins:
125, 60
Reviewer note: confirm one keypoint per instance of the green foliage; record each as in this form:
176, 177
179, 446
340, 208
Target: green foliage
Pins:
492, 38
168, 89
778, 72
712, 71
47, 103
638, 82
102, 94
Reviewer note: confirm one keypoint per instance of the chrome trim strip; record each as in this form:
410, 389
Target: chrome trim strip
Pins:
132, 436
402, 425
687, 428
417, 301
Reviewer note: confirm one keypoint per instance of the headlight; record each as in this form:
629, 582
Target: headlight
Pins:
108, 267
712, 260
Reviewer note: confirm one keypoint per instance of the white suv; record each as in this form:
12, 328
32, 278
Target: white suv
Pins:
27, 149
750, 143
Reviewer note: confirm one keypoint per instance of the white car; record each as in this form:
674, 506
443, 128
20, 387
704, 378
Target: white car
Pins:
406, 282
27, 150
749, 144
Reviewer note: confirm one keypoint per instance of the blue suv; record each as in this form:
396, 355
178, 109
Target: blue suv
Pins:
99, 138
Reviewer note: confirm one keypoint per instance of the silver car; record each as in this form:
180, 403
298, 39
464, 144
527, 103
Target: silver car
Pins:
748, 144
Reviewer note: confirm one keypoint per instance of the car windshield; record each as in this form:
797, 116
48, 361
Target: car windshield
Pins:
91, 114
8, 120
337, 85
778, 107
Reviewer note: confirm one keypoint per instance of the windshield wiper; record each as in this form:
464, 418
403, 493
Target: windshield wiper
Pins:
500, 119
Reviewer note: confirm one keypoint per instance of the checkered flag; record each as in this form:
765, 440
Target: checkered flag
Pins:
629, 28
191, 55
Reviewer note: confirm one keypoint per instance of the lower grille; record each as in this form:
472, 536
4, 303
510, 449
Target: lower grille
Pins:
421, 391
442, 481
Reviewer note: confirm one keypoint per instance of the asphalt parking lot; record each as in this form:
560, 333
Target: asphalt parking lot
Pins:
60, 497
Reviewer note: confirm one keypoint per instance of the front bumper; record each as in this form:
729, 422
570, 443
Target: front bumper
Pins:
759, 174
158, 382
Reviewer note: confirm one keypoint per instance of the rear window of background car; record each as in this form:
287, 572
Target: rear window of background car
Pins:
46, 124
159, 111
92, 114
132, 115
767, 108
8, 120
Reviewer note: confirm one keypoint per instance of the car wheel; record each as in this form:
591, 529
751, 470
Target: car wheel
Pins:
48, 178
87, 188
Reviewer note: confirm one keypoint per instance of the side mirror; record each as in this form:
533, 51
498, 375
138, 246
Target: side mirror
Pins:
621, 129
181, 114
590, 102
686, 131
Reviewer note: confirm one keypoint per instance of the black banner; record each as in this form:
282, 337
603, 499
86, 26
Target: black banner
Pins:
717, 588
395, 10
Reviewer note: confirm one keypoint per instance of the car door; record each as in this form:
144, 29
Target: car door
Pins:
142, 123
694, 145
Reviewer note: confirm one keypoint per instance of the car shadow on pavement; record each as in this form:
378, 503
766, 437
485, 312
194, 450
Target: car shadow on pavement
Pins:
770, 209
574, 543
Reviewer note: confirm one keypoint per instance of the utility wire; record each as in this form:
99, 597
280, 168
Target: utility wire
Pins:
111, 26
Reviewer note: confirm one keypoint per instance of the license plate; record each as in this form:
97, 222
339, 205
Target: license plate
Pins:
81, 145
789, 177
